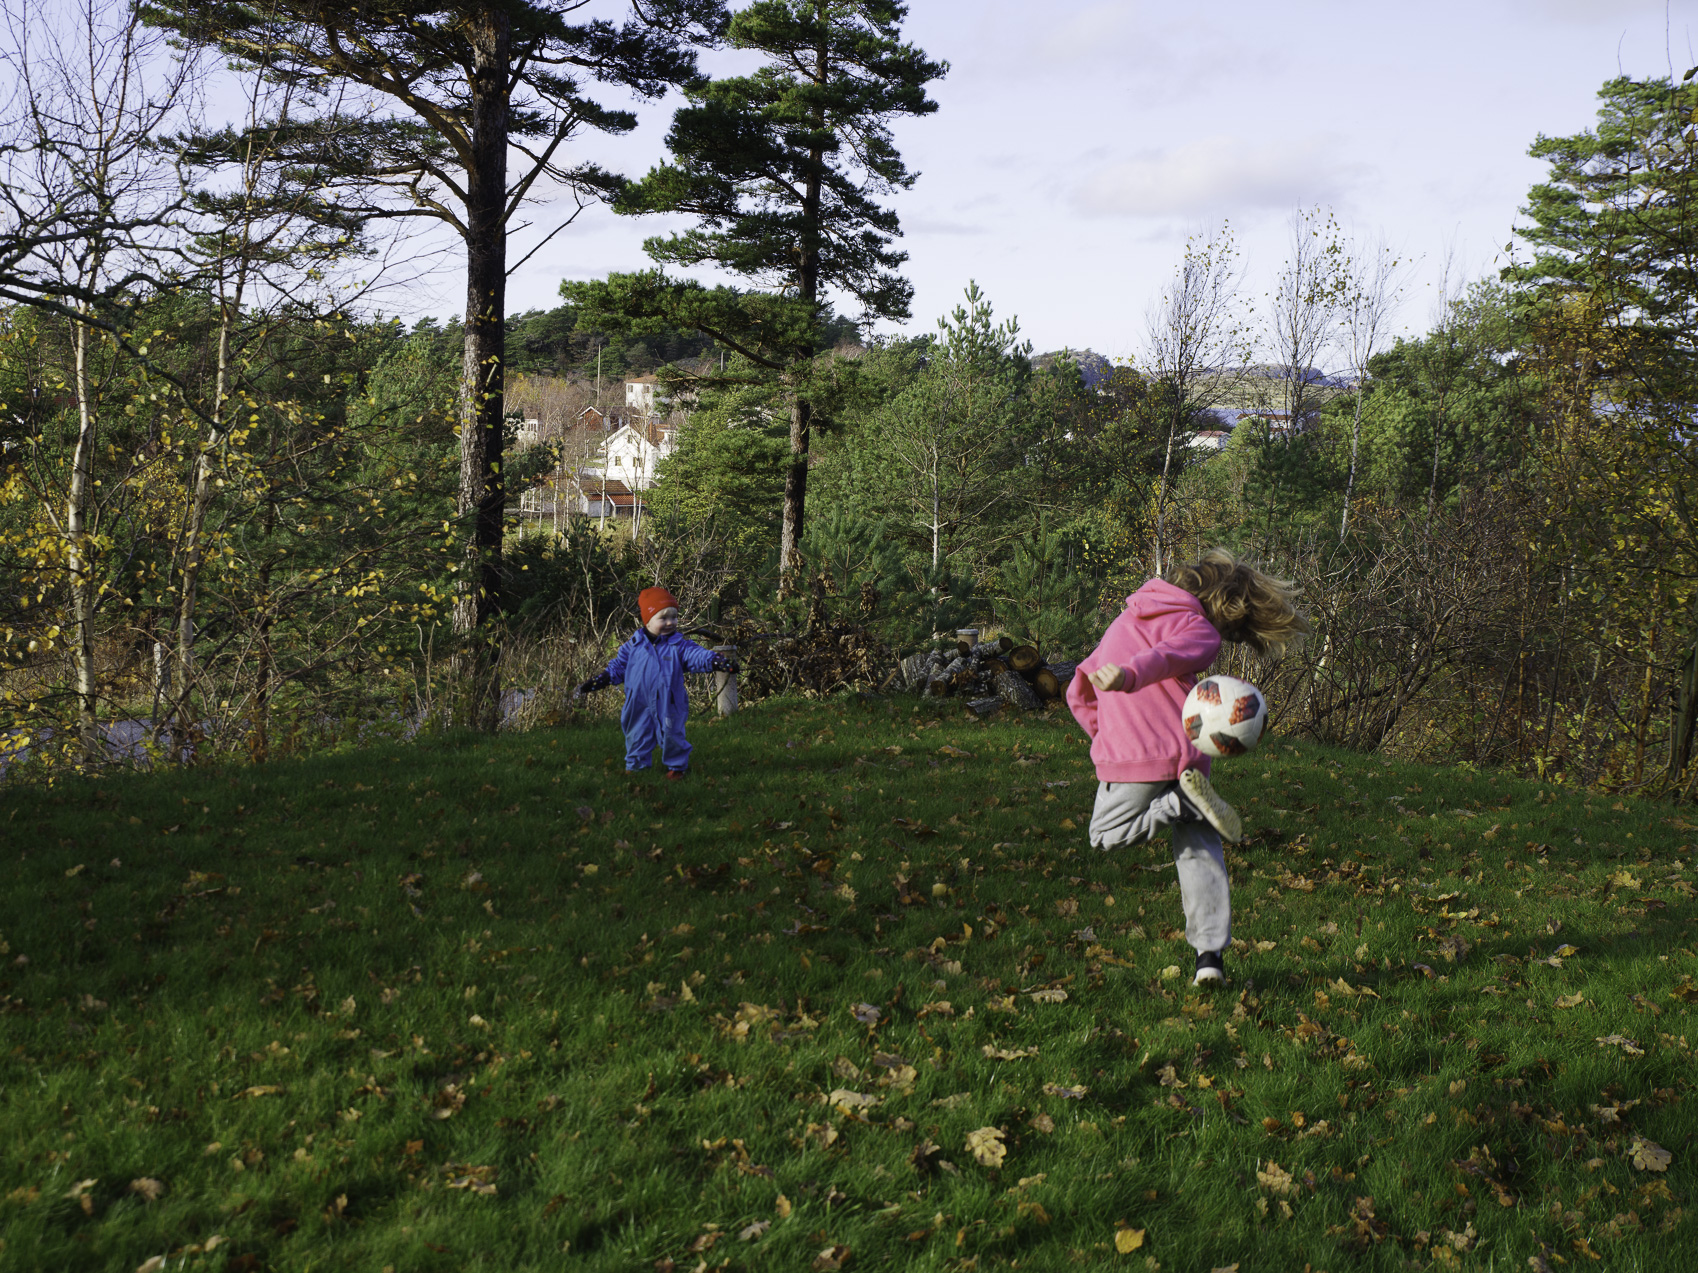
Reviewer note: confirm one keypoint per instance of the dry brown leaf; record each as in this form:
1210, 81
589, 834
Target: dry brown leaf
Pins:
782, 1207
264, 1089
995, 1053
1048, 996
147, 1187
1570, 1001
1043, 1123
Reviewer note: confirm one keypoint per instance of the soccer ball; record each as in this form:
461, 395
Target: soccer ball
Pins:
1224, 715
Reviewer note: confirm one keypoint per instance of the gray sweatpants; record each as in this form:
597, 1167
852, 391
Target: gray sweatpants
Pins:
1127, 812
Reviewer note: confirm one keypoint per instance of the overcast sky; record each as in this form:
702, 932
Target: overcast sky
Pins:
1078, 141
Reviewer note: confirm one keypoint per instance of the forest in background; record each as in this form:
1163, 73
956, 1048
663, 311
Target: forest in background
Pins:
247, 515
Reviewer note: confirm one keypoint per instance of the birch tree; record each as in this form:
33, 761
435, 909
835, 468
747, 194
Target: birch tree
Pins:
87, 233
1194, 339
1370, 297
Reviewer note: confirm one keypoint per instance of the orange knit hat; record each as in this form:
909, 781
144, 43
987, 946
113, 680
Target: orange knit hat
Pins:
651, 601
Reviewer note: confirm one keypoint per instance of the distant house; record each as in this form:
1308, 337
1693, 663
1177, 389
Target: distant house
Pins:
632, 451
1210, 440
641, 395
592, 419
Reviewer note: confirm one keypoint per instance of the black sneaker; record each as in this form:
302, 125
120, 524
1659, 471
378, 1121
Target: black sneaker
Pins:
1210, 968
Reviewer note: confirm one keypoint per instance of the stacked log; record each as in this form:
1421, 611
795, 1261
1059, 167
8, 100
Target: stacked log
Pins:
986, 673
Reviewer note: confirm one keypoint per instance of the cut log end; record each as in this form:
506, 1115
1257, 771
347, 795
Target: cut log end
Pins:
1025, 660
1047, 684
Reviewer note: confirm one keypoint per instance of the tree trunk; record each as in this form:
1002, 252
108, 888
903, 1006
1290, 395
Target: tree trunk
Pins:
1355, 446
795, 494
83, 588
194, 530
482, 495
808, 287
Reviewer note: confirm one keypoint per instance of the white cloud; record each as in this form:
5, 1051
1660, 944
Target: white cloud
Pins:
1217, 176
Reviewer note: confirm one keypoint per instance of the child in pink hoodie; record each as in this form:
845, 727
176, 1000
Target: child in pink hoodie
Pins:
1127, 696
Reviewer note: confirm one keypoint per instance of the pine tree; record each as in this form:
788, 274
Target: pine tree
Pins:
783, 168
445, 97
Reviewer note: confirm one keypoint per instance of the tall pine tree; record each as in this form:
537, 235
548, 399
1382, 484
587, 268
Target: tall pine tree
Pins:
445, 98
784, 169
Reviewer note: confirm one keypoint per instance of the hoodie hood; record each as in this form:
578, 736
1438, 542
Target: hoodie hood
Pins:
1158, 597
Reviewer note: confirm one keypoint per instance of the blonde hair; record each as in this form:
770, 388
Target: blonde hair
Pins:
1244, 604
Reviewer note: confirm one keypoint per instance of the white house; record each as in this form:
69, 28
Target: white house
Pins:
632, 451
641, 395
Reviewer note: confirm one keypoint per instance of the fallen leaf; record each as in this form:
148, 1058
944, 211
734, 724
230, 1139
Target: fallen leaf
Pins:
147, 1187
1647, 1155
848, 1101
753, 1231
1127, 1241
1277, 1180
1066, 1093
865, 1013
844, 1068
1570, 1001
1048, 996
833, 1257
781, 1206
995, 1053
1621, 1041
986, 1146
1042, 1123
152, 1264
263, 1089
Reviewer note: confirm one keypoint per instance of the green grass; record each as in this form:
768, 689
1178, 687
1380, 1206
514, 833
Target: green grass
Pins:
473, 1004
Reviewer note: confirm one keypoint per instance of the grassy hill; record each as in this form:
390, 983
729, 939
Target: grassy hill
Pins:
857, 994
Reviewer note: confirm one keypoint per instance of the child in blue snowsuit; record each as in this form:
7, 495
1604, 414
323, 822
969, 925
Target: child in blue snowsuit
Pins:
651, 666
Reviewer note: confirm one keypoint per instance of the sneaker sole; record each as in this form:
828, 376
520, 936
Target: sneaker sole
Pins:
1208, 976
1220, 815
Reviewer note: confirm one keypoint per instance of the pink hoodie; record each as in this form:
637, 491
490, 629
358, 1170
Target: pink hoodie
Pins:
1162, 641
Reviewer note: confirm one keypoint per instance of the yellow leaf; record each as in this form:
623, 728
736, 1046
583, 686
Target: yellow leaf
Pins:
782, 1207
1277, 1180
1127, 1241
986, 1146
1647, 1155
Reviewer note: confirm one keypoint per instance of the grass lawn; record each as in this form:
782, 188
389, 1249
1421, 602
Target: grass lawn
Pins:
857, 994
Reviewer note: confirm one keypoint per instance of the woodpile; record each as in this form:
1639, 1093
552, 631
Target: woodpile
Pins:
821, 659
987, 674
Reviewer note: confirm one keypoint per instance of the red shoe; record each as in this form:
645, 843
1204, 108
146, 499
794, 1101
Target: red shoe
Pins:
675, 775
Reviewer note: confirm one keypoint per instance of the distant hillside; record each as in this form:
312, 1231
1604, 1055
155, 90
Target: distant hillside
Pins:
1092, 366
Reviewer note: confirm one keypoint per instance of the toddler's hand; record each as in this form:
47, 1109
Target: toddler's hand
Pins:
1109, 676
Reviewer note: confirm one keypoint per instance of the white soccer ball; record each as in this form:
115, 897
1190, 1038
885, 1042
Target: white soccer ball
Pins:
1224, 715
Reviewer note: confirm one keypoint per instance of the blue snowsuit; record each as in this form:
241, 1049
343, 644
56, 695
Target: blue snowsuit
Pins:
656, 704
